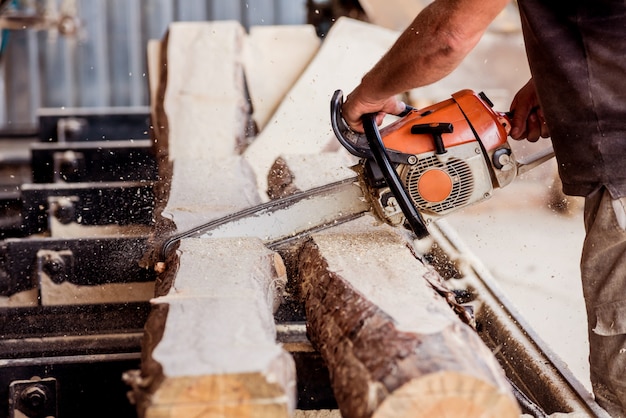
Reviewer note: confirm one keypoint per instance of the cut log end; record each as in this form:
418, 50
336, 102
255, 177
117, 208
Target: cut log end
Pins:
447, 394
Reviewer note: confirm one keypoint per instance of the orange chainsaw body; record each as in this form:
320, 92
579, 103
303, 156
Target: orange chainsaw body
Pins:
433, 160
491, 127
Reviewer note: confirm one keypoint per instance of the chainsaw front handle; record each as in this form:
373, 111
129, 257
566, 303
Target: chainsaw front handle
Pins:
370, 146
379, 154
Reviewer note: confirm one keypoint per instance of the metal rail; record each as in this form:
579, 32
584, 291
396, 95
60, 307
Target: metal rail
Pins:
528, 361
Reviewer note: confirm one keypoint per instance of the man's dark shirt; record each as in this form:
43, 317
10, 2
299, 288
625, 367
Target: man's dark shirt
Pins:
577, 55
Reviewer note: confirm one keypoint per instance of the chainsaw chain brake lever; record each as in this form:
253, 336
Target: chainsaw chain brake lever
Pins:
377, 149
356, 143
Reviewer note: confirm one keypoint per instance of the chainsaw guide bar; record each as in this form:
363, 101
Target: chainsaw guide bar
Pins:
288, 218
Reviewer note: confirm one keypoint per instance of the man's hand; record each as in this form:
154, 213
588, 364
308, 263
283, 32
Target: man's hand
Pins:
356, 106
528, 121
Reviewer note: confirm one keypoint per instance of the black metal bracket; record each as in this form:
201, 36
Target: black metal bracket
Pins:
93, 161
85, 124
81, 261
35, 398
94, 203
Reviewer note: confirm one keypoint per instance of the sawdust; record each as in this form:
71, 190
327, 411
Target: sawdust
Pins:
533, 252
322, 413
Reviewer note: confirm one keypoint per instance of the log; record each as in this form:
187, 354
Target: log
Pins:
159, 132
297, 172
211, 342
393, 346
209, 346
199, 115
205, 189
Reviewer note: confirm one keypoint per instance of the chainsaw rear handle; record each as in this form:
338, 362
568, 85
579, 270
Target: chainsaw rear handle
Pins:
377, 149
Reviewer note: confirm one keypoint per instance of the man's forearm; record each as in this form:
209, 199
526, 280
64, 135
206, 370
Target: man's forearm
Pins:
431, 47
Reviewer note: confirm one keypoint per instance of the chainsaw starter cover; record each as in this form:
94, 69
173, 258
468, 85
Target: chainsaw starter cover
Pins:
435, 185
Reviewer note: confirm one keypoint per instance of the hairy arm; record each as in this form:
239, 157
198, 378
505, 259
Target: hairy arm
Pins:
431, 47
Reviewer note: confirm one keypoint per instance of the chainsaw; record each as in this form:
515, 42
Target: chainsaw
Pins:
435, 160
428, 163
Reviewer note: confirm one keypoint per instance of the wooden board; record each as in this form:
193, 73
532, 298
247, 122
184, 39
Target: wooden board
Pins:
398, 14
275, 57
392, 14
393, 346
154, 64
497, 66
301, 124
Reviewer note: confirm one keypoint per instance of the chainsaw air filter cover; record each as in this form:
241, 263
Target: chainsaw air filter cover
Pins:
452, 145
438, 186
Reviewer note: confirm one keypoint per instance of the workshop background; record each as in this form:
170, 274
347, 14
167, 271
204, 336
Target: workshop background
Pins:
92, 54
